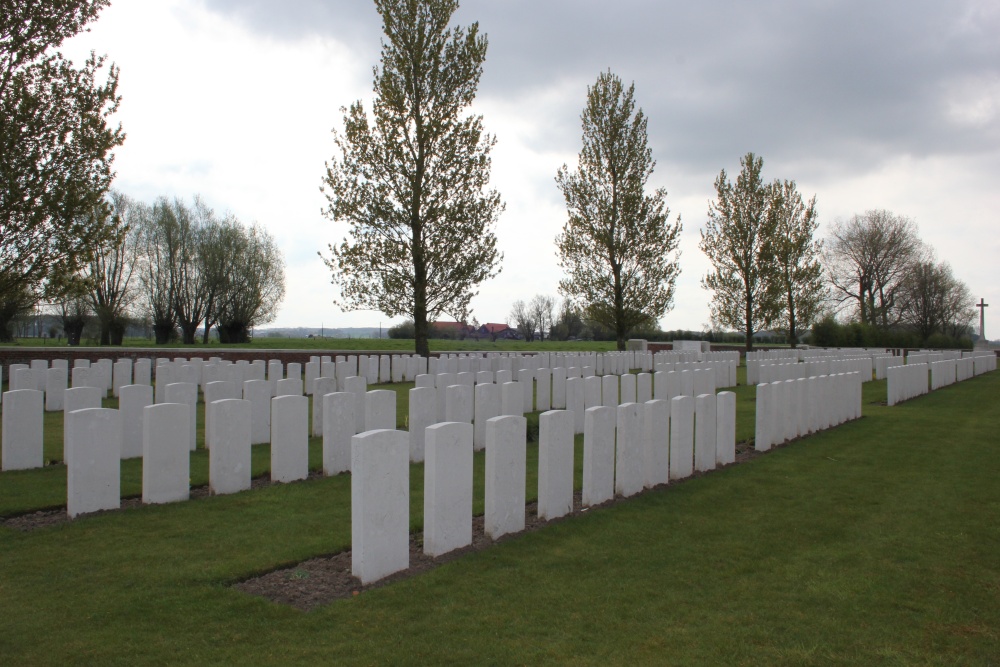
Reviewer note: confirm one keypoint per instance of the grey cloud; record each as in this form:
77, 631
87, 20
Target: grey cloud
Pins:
853, 83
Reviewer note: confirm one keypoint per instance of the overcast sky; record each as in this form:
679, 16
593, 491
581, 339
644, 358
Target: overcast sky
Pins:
866, 105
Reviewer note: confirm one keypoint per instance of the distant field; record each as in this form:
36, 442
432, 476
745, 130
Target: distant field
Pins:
391, 344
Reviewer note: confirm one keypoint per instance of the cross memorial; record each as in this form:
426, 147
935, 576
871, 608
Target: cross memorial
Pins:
982, 306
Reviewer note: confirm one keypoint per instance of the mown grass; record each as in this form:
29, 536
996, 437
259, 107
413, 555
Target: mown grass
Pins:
874, 543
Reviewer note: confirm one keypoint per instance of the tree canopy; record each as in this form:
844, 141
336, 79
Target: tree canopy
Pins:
411, 182
798, 288
617, 242
56, 148
738, 240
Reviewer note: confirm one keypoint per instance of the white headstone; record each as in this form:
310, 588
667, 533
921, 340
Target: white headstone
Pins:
609, 391
121, 375
320, 387
338, 429
725, 429
93, 460
422, 413
289, 387
681, 437
186, 393
229, 459
656, 442
505, 475
459, 404
487, 406
511, 399
628, 388
555, 464
380, 504
543, 389
258, 394
599, 455
55, 388
705, 436
132, 402
558, 388
380, 410
166, 457
289, 438
22, 439
628, 451
142, 371
575, 402
447, 487
643, 388
526, 378
358, 386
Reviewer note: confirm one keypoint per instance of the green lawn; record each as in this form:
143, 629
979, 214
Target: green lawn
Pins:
877, 542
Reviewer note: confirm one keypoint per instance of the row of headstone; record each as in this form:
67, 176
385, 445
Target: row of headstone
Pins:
776, 371
911, 380
95, 444
626, 448
906, 382
884, 362
790, 409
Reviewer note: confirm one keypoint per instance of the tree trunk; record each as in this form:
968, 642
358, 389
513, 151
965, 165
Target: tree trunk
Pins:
792, 337
117, 331
74, 331
161, 331
187, 333
749, 324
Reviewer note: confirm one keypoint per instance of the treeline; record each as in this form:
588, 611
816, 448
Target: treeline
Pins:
171, 268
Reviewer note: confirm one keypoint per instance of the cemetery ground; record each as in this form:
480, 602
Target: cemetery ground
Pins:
877, 542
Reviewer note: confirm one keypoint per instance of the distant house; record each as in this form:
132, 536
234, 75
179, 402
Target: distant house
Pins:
496, 331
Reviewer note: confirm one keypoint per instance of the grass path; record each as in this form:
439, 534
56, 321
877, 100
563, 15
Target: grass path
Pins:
874, 543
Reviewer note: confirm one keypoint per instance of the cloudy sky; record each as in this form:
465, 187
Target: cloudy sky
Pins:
891, 105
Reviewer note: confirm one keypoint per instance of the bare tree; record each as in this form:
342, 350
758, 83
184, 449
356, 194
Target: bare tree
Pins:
254, 285
866, 259
190, 280
934, 301
158, 240
523, 319
112, 264
541, 308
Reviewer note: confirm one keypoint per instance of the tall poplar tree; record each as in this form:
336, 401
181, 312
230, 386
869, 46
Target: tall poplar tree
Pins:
411, 184
798, 287
617, 242
737, 238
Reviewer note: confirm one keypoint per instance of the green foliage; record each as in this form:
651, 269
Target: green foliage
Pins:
615, 246
798, 288
737, 238
55, 148
828, 332
411, 183
402, 330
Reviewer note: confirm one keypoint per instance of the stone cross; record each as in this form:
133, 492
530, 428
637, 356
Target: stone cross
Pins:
982, 306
